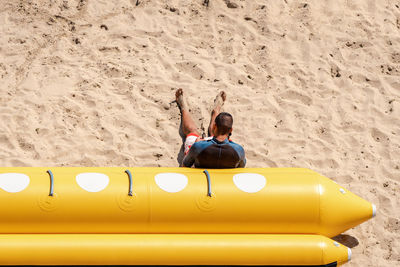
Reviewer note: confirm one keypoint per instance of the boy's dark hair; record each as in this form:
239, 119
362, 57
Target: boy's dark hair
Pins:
224, 122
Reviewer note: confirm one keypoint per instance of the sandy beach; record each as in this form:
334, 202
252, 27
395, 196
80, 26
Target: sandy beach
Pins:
312, 84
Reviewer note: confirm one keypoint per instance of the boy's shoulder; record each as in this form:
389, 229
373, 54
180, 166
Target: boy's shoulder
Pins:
235, 144
202, 143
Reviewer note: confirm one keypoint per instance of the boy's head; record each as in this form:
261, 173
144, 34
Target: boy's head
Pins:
223, 123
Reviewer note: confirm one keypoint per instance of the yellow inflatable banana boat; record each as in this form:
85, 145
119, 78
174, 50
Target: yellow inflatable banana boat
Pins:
171, 249
176, 200
174, 216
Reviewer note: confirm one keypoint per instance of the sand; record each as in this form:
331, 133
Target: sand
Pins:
312, 84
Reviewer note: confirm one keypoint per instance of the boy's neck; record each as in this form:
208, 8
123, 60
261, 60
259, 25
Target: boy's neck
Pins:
221, 138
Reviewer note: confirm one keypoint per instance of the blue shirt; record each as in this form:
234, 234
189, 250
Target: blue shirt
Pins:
214, 154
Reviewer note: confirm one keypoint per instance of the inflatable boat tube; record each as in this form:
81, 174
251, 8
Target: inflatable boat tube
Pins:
176, 200
171, 249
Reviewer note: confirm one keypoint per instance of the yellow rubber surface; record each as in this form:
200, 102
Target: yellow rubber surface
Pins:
279, 200
169, 249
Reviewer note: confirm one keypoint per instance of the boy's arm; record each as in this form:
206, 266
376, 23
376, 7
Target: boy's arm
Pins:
189, 159
242, 162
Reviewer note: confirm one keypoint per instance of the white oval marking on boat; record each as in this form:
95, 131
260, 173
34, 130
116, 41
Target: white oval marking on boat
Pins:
342, 191
13, 182
92, 181
171, 182
249, 182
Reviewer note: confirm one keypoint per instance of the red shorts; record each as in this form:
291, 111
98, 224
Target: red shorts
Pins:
190, 140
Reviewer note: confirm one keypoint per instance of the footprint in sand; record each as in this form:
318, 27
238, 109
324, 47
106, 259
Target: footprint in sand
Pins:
378, 136
191, 68
293, 95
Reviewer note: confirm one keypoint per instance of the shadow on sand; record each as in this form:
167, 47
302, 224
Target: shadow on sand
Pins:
347, 240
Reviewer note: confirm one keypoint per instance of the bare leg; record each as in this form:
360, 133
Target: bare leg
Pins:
218, 103
188, 125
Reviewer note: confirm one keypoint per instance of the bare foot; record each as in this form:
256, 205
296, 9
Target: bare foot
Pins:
219, 101
180, 100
